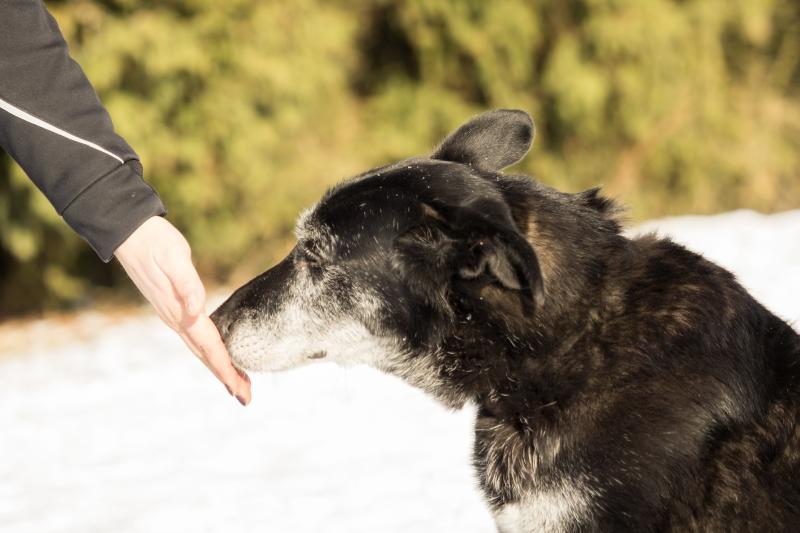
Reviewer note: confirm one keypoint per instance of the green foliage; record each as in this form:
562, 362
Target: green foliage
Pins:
243, 111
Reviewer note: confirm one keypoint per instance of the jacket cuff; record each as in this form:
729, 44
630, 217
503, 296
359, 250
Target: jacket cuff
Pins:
113, 207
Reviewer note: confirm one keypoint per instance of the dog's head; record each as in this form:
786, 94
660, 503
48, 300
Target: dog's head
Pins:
390, 263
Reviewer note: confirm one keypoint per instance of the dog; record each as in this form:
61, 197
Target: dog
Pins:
621, 384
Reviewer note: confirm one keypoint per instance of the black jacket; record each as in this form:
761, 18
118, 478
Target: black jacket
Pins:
54, 126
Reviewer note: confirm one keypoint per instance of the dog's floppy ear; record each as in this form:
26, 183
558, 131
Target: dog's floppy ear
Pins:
489, 142
485, 244
506, 258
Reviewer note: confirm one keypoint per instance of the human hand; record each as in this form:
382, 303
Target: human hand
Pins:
159, 262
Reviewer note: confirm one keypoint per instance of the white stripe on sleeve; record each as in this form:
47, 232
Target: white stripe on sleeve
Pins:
27, 117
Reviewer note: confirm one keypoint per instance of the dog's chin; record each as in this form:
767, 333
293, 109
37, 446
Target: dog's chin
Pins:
260, 358
263, 362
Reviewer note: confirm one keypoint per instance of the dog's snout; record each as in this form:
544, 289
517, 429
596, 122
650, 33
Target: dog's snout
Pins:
222, 320
231, 311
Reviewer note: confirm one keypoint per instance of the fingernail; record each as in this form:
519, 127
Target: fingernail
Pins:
241, 400
229, 390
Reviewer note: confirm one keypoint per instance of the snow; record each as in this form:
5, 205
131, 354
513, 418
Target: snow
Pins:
125, 431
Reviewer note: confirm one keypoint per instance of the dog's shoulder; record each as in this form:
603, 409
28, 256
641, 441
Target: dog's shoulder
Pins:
659, 263
660, 281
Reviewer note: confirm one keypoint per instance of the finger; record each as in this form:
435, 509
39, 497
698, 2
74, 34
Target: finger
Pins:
158, 290
156, 287
237, 385
204, 339
183, 277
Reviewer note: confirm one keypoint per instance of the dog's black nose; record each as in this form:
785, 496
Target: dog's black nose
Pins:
230, 312
222, 321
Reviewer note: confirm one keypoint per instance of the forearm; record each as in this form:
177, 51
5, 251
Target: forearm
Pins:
54, 126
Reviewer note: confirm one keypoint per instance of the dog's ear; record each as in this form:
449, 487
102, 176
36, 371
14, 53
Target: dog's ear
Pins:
477, 242
489, 142
503, 257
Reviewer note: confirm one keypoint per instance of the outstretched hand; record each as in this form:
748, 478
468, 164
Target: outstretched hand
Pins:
159, 261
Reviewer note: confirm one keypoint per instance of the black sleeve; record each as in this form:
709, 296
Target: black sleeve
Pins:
54, 126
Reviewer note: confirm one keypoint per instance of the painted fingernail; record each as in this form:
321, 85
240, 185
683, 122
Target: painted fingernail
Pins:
241, 400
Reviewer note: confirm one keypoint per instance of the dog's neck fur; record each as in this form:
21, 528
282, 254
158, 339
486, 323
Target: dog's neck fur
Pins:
529, 367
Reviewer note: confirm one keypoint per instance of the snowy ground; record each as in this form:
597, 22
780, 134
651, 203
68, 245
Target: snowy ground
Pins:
124, 431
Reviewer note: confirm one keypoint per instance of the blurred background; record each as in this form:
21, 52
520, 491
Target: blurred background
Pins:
244, 111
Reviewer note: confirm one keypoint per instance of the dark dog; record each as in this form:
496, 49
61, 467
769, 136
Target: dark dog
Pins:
621, 384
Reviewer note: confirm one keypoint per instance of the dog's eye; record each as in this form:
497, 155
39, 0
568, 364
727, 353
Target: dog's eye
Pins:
309, 257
